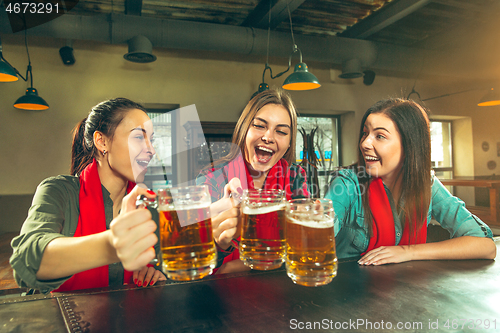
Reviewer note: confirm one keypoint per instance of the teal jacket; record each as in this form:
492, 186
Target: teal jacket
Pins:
351, 233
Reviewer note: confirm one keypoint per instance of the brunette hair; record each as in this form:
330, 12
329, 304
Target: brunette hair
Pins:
412, 122
277, 97
104, 117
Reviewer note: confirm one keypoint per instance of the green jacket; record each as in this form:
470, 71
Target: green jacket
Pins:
54, 213
351, 233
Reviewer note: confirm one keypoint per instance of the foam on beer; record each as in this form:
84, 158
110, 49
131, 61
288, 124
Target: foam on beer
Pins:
317, 224
183, 206
256, 210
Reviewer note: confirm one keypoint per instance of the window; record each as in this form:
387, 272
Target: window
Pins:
325, 132
162, 168
441, 149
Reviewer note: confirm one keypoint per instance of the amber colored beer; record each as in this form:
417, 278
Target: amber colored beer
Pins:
187, 244
262, 244
310, 246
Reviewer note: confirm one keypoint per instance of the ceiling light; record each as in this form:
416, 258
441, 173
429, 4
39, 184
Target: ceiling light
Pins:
490, 99
7, 72
301, 78
31, 100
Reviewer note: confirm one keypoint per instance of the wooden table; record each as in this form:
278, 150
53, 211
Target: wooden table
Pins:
417, 296
491, 215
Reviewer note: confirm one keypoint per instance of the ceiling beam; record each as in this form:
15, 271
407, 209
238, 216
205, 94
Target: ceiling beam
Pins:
259, 17
133, 7
258, 13
387, 15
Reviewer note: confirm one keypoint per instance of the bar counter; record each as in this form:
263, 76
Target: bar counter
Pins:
416, 296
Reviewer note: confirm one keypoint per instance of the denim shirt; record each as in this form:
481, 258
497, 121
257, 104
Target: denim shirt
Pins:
351, 233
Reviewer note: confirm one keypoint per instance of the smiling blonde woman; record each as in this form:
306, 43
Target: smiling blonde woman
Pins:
262, 157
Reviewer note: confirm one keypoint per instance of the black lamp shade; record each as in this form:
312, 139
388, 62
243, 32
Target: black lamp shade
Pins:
31, 101
301, 79
490, 99
7, 73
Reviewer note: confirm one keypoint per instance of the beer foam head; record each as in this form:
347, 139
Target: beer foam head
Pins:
177, 206
261, 209
311, 223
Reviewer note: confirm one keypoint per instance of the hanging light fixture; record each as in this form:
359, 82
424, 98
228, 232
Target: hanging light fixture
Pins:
490, 99
301, 78
264, 86
31, 100
7, 72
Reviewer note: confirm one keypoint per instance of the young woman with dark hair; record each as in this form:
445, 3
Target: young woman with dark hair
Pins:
384, 203
262, 157
82, 227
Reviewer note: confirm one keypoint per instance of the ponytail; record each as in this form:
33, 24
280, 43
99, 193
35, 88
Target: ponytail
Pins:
104, 117
81, 156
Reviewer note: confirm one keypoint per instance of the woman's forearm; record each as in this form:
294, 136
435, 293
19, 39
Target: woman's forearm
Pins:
465, 247
66, 256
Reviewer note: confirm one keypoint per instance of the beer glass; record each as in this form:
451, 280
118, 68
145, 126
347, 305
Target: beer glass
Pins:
186, 239
310, 242
262, 244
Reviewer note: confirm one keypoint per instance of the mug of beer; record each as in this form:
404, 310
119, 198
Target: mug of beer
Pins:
262, 244
310, 242
186, 239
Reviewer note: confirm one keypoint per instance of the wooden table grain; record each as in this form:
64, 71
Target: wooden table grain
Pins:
416, 296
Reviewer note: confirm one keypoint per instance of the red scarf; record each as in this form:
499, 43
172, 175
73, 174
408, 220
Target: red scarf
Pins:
278, 178
384, 233
92, 220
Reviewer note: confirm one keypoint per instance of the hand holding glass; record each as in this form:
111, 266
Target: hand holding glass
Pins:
186, 239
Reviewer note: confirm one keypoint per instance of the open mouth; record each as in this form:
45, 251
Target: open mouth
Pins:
371, 159
143, 163
263, 154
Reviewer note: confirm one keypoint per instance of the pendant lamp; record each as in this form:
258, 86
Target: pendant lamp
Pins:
7, 72
301, 78
31, 100
490, 99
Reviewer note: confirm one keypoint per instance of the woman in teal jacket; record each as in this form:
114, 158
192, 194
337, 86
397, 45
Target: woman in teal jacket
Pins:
384, 202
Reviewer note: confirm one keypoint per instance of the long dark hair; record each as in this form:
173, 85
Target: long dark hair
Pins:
104, 117
278, 97
412, 122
